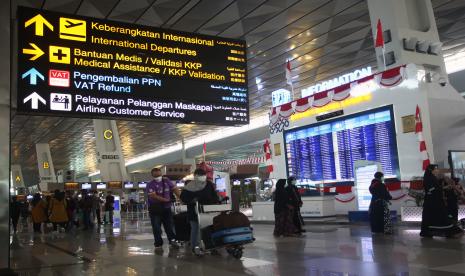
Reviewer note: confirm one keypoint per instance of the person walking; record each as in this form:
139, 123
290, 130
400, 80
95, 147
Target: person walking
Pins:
435, 221
86, 208
296, 202
57, 210
15, 212
159, 192
283, 211
38, 213
109, 207
96, 207
71, 210
380, 215
202, 191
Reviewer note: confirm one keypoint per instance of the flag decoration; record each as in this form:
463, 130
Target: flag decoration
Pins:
379, 35
268, 160
288, 73
421, 140
379, 42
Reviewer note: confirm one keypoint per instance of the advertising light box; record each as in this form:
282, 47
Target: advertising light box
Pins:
78, 66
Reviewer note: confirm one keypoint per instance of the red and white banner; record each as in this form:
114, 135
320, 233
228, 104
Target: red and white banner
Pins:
250, 160
421, 139
389, 78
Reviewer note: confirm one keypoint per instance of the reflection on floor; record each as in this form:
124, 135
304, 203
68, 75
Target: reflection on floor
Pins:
323, 251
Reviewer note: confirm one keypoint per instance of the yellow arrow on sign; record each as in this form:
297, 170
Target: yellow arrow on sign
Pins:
36, 52
18, 179
39, 22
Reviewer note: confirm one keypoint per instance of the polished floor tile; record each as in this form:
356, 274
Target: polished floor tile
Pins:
325, 250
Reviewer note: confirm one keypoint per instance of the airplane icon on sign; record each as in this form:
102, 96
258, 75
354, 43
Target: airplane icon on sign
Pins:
70, 24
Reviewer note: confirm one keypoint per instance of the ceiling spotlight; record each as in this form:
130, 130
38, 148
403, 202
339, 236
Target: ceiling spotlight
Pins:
422, 46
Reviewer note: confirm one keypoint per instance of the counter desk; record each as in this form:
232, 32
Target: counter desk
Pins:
314, 206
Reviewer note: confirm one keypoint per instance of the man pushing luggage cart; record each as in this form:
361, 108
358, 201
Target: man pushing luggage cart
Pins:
229, 229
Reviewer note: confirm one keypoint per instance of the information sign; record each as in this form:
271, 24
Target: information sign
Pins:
78, 66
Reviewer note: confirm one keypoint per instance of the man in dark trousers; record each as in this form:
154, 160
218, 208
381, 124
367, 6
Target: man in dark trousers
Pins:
109, 207
15, 212
159, 192
296, 200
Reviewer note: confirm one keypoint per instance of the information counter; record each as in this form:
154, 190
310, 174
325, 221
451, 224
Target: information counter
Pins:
314, 206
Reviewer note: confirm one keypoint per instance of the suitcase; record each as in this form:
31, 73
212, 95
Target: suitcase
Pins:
238, 238
182, 227
233, 235
227, 220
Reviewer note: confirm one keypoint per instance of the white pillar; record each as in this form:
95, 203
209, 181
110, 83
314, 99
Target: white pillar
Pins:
5, 57
17, 176
414, 22
109, 155
45, 165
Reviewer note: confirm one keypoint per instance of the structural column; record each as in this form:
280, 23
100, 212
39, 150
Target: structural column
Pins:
17, 176
184, 159
410, 35
45, 166
5, 57
109, 155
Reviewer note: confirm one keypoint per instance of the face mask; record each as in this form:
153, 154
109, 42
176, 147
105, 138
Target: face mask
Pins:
293, 182
158, 178
200, 177
382, 179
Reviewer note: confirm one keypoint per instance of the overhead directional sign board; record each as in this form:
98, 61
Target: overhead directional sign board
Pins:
84, 67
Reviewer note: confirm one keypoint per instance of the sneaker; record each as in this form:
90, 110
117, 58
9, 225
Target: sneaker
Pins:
175, 244
158, 247
197, 251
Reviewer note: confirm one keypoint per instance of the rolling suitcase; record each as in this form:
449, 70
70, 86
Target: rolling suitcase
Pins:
182, 227
233, 235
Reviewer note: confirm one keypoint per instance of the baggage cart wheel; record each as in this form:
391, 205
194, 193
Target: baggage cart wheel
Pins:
237, 253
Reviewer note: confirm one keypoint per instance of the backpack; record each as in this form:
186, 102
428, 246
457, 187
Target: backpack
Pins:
227, 220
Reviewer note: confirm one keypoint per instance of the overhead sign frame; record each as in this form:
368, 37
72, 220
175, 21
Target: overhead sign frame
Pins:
83, 67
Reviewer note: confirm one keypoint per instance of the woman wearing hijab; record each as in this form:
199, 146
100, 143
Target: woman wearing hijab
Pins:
297, 203
435, 221
283, 211
380, 216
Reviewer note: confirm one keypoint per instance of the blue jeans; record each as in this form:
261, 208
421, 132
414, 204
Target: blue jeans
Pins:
156, 220
194, 233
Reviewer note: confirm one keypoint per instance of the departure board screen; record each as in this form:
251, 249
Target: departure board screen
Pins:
327, 151
78, 66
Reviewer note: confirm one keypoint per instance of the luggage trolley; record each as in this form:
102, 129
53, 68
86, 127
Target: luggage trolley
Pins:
232, 239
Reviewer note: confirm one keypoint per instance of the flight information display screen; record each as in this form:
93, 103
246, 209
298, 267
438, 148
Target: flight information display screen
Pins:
327, 151
76, 66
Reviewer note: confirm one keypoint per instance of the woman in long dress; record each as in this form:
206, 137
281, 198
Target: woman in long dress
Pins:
380, 216
435, 221
283, 211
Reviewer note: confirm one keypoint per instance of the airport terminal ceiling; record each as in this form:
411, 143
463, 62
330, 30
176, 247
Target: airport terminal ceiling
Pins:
322, 38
